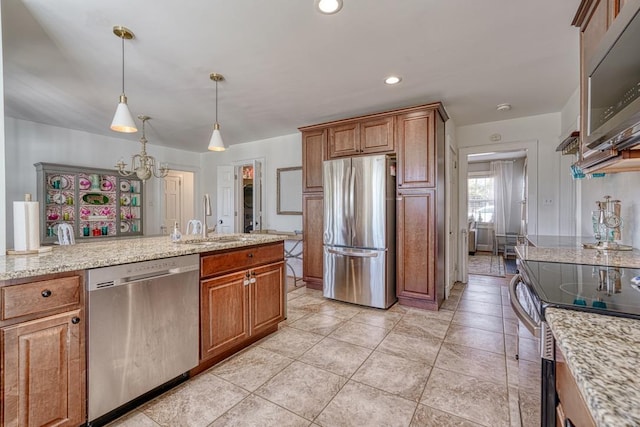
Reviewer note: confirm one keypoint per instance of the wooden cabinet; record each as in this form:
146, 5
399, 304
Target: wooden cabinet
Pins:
361, 137
312, 223
314, 146
571, 406
240, 302
416, 149
416, 136
96, 203
42, 350
416, 255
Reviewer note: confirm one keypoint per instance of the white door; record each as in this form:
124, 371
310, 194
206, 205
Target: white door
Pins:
172, 202
257, 195
225, 206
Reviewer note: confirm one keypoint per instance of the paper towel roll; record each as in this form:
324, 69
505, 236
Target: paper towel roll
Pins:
26, 226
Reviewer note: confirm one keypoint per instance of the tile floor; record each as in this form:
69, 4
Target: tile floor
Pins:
336, 364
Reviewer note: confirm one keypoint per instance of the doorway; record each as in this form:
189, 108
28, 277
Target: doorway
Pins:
177, 200
239, 197
478, 212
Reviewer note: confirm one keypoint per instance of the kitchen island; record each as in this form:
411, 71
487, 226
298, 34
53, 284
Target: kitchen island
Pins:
236, 292
602, 354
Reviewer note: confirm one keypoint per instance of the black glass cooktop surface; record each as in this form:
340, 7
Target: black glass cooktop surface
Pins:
601, 289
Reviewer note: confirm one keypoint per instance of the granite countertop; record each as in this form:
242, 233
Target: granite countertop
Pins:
602, 353
569, 250
104, 253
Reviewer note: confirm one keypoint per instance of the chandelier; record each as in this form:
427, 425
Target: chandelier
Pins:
142, 165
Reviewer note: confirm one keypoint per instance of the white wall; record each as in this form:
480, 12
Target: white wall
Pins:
279, 152
544, 130
3, 176
28, 143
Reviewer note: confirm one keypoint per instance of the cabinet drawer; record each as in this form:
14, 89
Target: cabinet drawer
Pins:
46, 295
240, 259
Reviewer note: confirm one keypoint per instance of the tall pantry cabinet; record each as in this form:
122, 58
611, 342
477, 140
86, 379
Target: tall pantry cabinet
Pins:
416, 136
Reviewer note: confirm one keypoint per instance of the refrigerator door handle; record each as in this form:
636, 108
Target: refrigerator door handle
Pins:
352, 204
354, 254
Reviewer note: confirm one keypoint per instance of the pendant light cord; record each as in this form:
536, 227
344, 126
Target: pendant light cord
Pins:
216, 101
122, 37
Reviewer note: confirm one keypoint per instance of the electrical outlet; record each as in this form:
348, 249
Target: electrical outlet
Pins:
547, 202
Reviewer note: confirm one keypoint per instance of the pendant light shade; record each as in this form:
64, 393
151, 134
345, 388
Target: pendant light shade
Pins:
216, 144
122, 119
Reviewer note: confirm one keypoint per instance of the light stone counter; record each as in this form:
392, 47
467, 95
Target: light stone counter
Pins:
569, 250
104, 253
603, 354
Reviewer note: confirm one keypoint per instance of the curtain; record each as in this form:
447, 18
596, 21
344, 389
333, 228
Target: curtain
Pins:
502, 172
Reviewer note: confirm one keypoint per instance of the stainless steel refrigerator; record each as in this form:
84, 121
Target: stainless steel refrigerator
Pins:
359, 230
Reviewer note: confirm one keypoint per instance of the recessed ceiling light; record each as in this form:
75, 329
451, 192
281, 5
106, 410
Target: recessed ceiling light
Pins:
503, 107
392, 80
329, 7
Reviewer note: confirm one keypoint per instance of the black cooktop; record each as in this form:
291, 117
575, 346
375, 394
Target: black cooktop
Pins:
600, 289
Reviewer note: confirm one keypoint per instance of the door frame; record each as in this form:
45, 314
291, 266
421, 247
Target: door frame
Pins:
189, 204
239, 192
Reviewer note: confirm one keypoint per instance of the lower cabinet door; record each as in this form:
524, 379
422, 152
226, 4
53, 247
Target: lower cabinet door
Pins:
223, 313
43, 368
267, 297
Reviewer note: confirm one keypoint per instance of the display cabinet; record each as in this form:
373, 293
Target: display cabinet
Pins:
96, 203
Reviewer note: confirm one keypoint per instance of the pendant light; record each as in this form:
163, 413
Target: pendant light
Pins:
122, 120
216, 143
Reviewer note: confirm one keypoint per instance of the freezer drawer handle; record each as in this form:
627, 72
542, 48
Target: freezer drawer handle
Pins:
524, 317
354, 254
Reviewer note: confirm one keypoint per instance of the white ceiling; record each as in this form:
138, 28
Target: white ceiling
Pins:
285, 64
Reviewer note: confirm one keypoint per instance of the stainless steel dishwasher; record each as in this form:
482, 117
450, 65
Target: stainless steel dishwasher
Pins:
143, 331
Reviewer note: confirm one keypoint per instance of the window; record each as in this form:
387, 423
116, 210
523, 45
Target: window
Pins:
481, 201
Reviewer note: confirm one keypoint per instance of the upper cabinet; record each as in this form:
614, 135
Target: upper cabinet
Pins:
416, 149
609, 77
314, 147
361, 137
96, 203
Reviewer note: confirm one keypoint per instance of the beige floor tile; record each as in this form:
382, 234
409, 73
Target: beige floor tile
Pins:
528, 349
306, 302
133, 419
476, 338
256, 411
359, 405
340, 310
424, 350
429, 417
318, 324
381, 319
421, 326
470, 361
290, 342
359, 334
394, 375
480, 401
510, 326
444, 316
336, 356
397, 308
487, 289
482, 297
252, 368
195, 403
459, 286
529, 376
479, 321
507, 312
451, 304
480, 307
302, 389
530, 408
514, 407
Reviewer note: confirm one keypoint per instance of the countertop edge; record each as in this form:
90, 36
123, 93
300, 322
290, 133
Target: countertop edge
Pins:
85, 256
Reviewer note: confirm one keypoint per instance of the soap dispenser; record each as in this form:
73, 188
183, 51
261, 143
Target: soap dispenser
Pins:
175, 234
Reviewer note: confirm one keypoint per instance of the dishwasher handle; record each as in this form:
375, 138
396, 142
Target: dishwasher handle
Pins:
157, 274
521, 313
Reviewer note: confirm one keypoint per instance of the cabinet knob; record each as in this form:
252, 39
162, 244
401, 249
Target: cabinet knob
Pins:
46, 293
75, 320
253, 273
250, 255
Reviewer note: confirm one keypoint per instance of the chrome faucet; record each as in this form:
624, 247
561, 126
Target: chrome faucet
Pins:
206, 207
